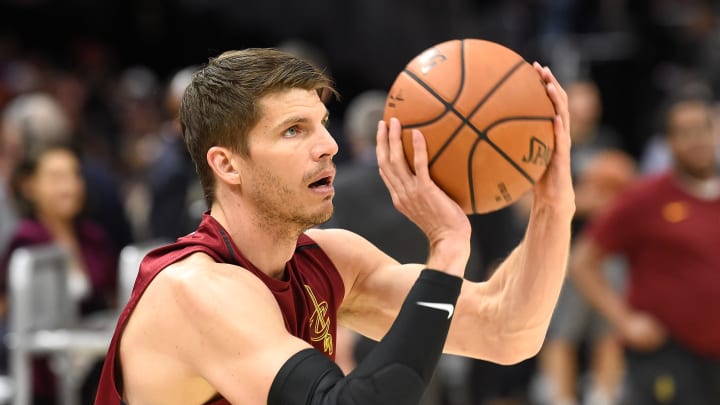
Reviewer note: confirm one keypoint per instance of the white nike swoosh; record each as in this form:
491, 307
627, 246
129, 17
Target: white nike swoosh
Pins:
449, 308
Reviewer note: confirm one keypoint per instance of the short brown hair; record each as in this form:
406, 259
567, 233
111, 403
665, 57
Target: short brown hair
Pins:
221, 104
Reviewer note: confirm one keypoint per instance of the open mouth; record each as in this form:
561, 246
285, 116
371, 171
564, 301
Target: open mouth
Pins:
325, 181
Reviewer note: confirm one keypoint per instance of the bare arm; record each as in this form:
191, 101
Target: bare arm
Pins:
639, 330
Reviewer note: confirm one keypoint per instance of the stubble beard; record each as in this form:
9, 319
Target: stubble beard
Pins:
278, 209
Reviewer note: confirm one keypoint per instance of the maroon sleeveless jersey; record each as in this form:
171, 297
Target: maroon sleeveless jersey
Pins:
309, 296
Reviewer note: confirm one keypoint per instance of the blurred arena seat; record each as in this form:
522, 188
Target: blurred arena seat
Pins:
43, 320
130, 258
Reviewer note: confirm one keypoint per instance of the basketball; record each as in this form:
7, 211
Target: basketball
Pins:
487, 121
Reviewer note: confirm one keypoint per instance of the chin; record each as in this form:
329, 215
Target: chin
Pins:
701, 173
320, 218
325, 217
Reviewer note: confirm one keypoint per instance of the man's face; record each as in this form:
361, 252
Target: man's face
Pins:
288, 176
691, 139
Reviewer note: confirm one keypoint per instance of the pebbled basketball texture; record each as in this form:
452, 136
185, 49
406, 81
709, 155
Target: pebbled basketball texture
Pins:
486, 117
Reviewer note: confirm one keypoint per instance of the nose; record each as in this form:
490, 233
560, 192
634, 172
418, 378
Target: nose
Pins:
325, 147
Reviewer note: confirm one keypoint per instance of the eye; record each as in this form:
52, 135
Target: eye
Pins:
292, 132
325, 121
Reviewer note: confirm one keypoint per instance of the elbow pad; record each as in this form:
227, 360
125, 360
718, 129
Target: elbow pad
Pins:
397, 369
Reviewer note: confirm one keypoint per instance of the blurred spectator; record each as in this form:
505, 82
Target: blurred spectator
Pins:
28, 120
598, 175
656, 156
137, 104
667, 227
171, 179
33, 119
50, 195
589, 134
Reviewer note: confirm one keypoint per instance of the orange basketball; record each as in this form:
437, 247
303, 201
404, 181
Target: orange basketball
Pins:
486, 117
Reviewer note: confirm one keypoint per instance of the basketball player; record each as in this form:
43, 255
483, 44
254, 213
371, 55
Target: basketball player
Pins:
244, 310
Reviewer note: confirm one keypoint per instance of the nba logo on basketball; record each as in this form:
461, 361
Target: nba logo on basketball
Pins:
539, 153
430, 59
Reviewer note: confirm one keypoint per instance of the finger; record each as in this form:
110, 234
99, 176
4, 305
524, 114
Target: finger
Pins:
381, 148
538, 68
560, 103
550, 78
420, 155
388, 173
397, 153
382, 151
562, 137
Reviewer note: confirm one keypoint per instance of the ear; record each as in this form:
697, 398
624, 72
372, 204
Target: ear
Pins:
225, 165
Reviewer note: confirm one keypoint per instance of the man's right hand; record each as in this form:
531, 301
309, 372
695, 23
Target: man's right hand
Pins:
642, 332
422, 201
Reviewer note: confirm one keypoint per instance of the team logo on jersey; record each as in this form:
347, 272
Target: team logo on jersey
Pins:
676, 211
320, 322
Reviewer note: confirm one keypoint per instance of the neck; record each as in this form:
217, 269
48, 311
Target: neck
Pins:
58, 227
268, 244
707, 188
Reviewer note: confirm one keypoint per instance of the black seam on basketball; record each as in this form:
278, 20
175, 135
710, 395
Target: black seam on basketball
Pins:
493, 90
512, 162
445, 145
470, 175
466, 121
462, 72
448, 105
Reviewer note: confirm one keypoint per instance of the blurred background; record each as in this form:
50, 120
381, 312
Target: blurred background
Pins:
89, 92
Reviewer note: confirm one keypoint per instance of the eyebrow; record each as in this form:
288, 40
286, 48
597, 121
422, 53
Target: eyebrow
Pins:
299, 119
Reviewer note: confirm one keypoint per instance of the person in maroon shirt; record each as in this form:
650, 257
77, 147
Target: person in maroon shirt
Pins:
244, 310
49, 193
668, 228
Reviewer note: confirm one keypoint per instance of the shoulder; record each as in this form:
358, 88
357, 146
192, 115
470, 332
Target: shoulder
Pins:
632, 206
646, 188
196, 292
208, 324
198, 279
29, 232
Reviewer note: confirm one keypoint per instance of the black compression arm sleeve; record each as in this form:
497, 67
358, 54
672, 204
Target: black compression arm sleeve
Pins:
397, 369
